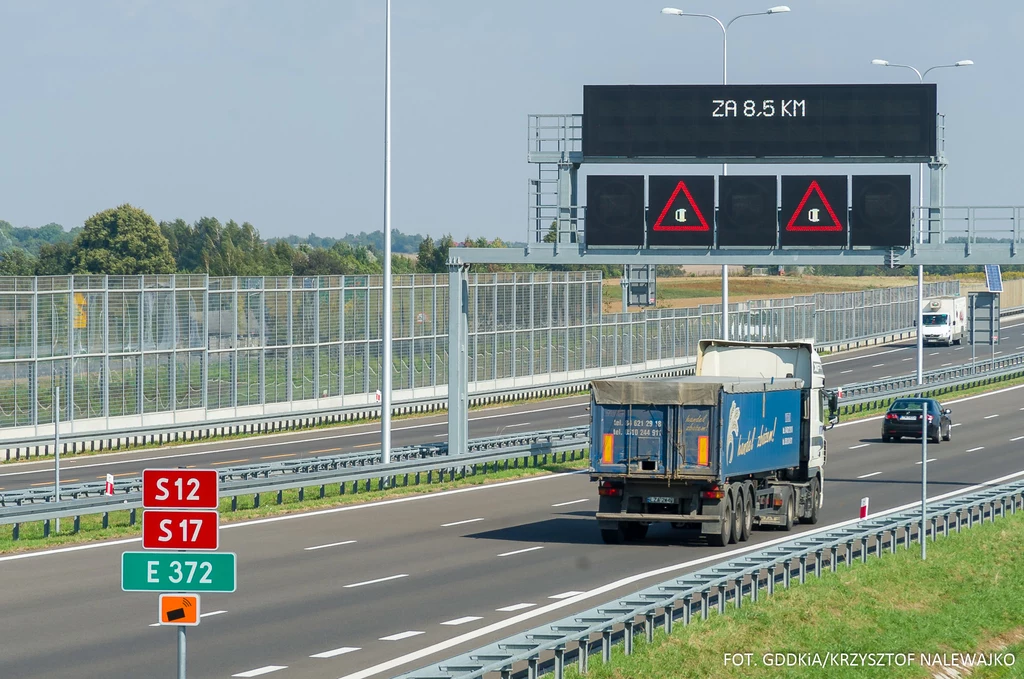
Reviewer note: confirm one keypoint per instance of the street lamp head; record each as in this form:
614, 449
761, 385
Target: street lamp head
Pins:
965, 62
778, 9
879, 62
673, 11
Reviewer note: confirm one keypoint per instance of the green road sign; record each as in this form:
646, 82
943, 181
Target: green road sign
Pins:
178, 572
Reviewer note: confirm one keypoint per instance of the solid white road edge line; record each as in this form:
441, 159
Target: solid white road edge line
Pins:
858, 358
413, 498
722, 556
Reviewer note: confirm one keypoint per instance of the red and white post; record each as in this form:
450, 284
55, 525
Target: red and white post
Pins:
863, 508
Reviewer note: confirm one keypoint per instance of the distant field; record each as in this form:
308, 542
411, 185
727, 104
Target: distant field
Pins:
689, 291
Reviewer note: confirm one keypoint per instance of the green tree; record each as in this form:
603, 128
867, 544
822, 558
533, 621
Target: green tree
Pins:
17, 262
122, 241
57, 259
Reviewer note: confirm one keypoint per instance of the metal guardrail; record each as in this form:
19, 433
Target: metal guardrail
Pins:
237, 483
302, 467
931, 378
576, 637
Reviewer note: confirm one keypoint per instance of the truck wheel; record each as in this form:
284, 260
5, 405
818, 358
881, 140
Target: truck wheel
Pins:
738, 512
790, 513
815, 501
633, 531
748, 513
612, 536
723, 538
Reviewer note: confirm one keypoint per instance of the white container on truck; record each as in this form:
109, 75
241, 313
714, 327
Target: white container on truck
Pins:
739, 445
945, 320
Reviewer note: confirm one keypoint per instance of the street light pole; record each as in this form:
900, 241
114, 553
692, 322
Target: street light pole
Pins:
920, 318
385, 396
920, 217
780, 9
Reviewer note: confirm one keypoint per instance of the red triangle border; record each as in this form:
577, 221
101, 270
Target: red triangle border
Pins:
681, 186
799, 208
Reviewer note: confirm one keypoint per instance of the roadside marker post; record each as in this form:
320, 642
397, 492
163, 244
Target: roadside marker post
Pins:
863, 508
180, 516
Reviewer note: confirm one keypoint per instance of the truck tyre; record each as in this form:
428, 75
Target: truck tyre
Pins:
723, 538
790, 513
747, 526
633, 531
812, 518
738, 511
612, 536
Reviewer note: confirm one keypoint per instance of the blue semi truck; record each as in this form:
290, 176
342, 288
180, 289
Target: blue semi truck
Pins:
739, 445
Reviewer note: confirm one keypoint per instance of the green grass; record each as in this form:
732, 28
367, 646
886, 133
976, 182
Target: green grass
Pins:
965, 598
91, 529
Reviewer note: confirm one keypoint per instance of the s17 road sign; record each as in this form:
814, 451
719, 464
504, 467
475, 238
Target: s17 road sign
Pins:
174, 571
178, 529
179, 488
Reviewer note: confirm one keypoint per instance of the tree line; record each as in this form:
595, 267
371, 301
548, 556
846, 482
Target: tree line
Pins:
127, 241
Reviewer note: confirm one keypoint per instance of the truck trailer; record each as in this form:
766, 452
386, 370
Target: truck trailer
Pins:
944, 320
739, 445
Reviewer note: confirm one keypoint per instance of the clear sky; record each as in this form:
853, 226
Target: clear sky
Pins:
271, 111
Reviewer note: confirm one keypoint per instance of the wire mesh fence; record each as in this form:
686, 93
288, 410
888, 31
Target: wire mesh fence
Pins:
143, 348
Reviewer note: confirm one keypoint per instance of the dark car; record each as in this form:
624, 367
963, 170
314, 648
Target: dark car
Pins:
904, 419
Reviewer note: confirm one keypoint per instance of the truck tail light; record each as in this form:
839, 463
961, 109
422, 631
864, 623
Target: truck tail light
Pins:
715, 493
609, 489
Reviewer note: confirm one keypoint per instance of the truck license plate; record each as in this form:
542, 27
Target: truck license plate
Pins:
661, 500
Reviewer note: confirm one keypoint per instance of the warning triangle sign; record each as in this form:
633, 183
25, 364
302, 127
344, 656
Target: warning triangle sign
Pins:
681, 213
814, 213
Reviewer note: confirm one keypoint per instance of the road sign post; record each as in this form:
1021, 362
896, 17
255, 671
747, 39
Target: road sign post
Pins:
179, 513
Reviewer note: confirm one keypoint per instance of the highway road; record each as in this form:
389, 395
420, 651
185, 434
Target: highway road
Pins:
861, 365
374, 590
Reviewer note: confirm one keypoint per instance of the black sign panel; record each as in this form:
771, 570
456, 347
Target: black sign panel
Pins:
682, 211
759, 121
813, 211
881, 214
615, 210
747, 211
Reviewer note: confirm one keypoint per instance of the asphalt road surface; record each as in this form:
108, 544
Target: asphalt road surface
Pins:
375, 590
862, 365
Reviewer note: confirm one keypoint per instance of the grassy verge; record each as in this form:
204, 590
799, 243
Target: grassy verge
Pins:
119, 523
965, 598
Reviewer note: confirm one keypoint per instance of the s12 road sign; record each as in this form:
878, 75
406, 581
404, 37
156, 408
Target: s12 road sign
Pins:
179, 488
177, 529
